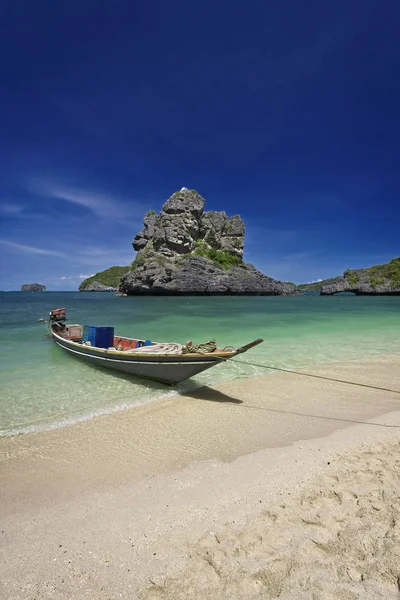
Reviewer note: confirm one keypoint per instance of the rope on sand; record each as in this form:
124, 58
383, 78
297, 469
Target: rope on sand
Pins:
366, 385
241, 362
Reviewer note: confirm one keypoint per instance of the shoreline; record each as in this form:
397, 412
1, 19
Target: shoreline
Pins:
170, 392
222, 422
131, 504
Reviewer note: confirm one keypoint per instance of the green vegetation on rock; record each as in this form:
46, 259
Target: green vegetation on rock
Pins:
223, 260
352, 277
379, 279
375, 281
393, 271
378, 275
139, 261
141, 257
390, 271
110, 277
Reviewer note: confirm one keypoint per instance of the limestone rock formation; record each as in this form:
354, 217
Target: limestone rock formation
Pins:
96, 286
178, 225
199, 275
104, 281
147, 233
33, 287
185, 250
379, 280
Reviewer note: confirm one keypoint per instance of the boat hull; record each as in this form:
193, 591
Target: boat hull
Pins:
169, 369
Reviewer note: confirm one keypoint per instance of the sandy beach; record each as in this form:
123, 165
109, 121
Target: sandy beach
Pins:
274, 487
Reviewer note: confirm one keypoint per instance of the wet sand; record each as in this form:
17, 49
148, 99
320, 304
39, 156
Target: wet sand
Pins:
275, 486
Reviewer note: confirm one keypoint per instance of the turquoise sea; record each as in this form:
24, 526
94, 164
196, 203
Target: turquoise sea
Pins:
43, 387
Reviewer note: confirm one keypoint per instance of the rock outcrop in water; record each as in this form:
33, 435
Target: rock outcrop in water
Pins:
95, 286
379, 280
33, 287
185, 250
104, 281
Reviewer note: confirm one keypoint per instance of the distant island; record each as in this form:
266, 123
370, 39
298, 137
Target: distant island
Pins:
187, 251
378, 280
33, 287
104, 281
316, 286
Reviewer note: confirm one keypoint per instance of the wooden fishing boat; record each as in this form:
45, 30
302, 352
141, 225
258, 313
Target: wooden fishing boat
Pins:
165, 362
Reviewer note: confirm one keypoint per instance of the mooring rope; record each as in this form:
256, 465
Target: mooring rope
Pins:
366, 385
241, 362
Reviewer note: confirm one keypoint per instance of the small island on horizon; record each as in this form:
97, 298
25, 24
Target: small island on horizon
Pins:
33, 287
377, 280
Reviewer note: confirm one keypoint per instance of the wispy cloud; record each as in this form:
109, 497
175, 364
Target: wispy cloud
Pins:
99, 204
92, 257
96, 251
103, 205
8, 208
104, 257
75, 277
32, 249
104, 262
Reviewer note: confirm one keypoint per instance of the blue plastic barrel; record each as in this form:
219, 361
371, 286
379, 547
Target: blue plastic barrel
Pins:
100, 337
89, 334
104, 337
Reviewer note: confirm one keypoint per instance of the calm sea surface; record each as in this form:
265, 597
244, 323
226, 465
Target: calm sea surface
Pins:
43, 387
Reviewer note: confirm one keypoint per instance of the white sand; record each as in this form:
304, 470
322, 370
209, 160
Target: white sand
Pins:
205, 497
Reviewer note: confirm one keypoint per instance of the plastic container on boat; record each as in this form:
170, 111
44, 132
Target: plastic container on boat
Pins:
89, 334
100, 337
104, 337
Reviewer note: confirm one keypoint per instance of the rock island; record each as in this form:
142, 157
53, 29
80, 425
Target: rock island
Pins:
186, 250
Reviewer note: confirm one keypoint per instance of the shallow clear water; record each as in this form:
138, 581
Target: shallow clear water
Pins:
43, 387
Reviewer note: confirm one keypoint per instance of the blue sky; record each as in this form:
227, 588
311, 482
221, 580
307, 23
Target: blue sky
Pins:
284, 112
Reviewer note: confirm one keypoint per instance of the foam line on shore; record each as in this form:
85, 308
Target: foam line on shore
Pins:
42, 424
